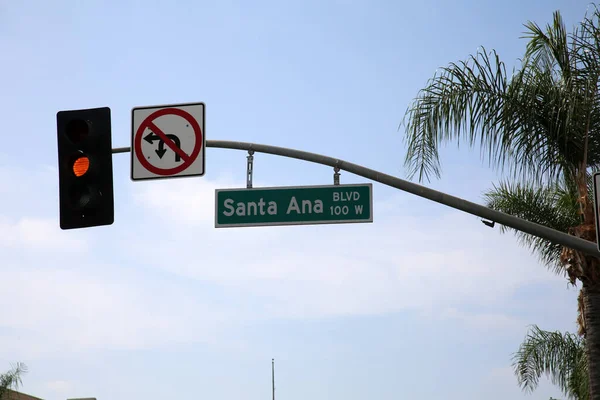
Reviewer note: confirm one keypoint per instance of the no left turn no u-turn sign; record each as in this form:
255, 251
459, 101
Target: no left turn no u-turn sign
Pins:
168, 141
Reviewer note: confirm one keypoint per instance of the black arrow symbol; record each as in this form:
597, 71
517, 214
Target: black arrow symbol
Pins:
161, 147
160, 152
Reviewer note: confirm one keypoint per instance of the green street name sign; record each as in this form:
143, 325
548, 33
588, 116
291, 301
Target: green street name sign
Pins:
294, 205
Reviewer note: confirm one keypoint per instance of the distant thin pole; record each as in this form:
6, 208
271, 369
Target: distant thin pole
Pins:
273, 375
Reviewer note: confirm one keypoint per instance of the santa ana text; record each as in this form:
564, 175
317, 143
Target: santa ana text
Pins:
303, 206
293, 205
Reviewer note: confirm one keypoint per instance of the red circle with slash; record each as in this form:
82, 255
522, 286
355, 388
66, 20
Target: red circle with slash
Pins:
148, 122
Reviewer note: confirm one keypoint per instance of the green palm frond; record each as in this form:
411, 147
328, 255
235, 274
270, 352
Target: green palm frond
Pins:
549, 49
560, 357
466, 97
543, 122
565, 67
11, 379
554, 206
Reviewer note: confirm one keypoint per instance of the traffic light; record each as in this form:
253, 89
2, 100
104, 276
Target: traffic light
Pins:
85, 176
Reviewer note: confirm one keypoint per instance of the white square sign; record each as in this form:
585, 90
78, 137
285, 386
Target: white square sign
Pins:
167, 141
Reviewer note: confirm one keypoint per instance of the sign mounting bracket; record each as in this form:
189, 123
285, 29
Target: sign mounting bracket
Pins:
249, 169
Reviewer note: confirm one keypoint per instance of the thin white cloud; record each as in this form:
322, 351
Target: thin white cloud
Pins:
398, 262
188, 201
28, 196
66, 310
59, 386
57, 303
485, 322
39, 233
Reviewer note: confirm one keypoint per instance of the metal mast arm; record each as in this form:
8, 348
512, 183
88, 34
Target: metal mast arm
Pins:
451, 201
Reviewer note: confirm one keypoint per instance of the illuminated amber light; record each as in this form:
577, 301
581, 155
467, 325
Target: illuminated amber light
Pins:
81, 166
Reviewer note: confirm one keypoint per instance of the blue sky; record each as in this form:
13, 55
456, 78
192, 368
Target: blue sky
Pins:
423, 303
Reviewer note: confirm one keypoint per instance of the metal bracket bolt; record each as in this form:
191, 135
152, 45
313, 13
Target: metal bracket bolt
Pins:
336, 175
249, 169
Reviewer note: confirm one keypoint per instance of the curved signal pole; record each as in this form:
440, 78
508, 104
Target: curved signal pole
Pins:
519, 224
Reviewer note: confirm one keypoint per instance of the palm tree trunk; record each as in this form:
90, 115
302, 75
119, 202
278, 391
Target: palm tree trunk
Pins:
591, 299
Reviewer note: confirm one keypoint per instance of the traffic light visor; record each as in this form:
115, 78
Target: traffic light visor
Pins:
81, 165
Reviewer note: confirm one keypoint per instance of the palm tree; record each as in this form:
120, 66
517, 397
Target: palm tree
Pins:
11, 379
554, 205
561, 357
541, 124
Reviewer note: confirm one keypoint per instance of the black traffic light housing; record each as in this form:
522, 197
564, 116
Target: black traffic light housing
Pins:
85, 176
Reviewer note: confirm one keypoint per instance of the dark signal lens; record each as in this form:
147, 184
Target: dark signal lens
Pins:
77, 130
